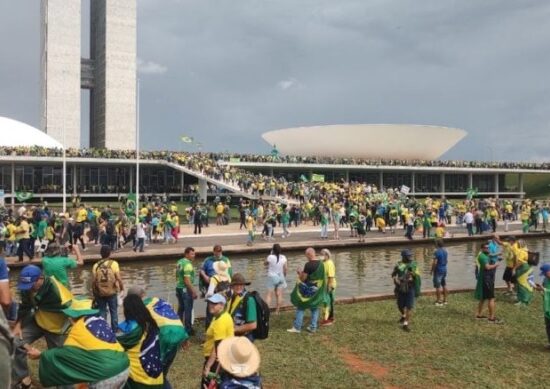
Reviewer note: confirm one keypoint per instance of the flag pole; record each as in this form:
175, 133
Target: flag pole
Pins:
64, 154
137, 151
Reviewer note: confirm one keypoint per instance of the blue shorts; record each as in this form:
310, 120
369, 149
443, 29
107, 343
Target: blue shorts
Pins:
440, 280
406, 300
276, 281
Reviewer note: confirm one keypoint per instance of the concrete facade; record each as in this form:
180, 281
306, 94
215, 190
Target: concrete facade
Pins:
60, 65
113, 51
110, 73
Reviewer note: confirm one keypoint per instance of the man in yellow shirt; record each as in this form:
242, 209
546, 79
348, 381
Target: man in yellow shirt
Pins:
22, 235
219, 214
219, 329
330, 271
106, 283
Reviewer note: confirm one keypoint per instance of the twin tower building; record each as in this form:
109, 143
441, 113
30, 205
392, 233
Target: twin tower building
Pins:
109, 73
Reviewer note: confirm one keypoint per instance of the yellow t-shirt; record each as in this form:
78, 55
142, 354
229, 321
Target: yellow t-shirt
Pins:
114, 266
330, 271
11, 230
22, 232
81, 216
219, 209
440, 232
220, 328
510, 253
521, 256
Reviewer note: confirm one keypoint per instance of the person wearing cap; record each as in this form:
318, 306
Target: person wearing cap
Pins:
90, 354
140, 338
544, 287
219, 283
219, 329
309, 292
40, 314
239, 361
242, 308
485, 286
185, 292
55, 264
172, 333
330, 269
406, 279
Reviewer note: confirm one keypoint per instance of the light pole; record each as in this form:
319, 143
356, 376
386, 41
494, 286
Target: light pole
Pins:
137, 151
64, 153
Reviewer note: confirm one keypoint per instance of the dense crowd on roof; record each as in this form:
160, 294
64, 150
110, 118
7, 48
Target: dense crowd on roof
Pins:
207, 160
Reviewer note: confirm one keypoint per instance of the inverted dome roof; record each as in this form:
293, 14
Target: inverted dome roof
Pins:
14, 133
385, 141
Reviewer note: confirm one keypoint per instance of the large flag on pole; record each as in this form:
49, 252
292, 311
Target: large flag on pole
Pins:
472, 192
186, 139
23, 196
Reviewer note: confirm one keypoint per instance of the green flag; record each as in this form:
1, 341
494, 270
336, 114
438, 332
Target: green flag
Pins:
303, 178
23, 196
186, 139
318, 177
131, 203
472, 192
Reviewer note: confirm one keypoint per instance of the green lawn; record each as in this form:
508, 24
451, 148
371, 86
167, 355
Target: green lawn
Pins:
366, 348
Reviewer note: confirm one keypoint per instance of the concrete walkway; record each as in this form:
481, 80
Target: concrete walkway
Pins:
234, 242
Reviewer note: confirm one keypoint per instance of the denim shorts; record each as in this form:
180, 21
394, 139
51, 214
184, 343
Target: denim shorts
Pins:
276, 281
440, 280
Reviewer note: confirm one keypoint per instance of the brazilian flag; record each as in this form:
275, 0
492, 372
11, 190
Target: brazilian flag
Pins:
310, 294
524, 278
131, 204
91, 353
23, 196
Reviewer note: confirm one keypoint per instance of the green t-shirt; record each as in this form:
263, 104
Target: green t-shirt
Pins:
184, 268
57, 267
41, 228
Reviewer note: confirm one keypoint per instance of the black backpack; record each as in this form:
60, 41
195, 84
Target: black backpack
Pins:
262, 311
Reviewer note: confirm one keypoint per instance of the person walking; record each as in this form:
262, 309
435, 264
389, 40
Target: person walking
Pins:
185, 292
485, 286
106, 284
406, 280
439, 273
197, 220
330, 270
277, 269
141, 227
309, 292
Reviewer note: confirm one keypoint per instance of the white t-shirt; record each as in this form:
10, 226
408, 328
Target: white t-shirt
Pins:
276, 268
140, 231
468, 218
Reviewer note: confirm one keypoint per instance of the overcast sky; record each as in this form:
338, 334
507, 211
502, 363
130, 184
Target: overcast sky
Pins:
225, 71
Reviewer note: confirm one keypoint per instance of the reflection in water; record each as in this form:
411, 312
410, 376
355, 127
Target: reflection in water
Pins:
358, 271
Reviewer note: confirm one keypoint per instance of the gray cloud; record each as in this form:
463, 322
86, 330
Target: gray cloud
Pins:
229, 71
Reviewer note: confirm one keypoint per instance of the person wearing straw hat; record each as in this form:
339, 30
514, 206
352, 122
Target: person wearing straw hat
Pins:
90, 354
242, 308
219, 283
239, 361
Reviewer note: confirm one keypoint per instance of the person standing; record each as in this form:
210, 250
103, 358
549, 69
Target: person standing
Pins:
140, 235
185, 292
544, 287
6, 338
330, 270
406, 280
197, 220
251, 228
285, 221
54, 264
277, 268
323, 221
106, 284
242, 308
439, 272
309, 292
509, 250
485, 287
221, 328
22, 235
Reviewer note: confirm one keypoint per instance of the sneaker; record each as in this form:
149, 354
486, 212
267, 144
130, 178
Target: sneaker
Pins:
406, 328
445, 302
311, 330
438, 304
495, 321
293, 330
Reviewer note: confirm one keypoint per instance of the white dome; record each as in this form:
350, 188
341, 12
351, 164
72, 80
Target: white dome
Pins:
387, 141
14, 133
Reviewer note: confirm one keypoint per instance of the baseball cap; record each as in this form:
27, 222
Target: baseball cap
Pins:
406, 253
216, 299
545, 268
28, 276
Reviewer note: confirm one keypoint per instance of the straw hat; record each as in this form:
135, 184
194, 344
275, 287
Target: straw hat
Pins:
238, 356
221, 268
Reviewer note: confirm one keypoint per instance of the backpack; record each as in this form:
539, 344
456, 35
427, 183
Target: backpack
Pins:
105, 280
262, 311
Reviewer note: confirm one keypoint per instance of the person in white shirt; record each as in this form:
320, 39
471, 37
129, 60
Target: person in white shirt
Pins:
140, 236
277, 268
469, 220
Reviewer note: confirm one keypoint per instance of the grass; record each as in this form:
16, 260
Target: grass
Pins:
366, 348
447, 348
